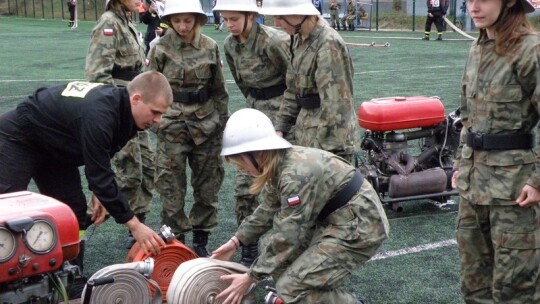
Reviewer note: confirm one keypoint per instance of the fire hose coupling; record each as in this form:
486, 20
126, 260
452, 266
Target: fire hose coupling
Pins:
166, 234
272, 297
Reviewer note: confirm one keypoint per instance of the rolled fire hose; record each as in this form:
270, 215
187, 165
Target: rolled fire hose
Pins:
199, 281
457, 29
165, 263
129, 284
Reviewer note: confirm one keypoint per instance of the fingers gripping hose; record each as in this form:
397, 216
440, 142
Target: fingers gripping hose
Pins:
198, 281
128, 284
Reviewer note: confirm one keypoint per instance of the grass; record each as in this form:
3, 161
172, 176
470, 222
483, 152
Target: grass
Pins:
46, 52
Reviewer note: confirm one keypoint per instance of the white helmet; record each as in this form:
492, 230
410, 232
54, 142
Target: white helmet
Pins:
236, 6
250, 130
185, 6
288, 7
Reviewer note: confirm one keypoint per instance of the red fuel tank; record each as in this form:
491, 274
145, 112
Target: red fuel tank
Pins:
396, 113
37, 234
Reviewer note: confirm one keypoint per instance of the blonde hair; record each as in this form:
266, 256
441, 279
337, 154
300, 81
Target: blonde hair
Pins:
267, 161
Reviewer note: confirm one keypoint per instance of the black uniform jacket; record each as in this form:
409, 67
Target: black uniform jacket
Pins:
81, 131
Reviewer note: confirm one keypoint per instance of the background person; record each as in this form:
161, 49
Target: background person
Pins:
498, 175
334, 7
115, 56
436, 13
58, 129
322, 219
257, 56
318, 103
349, 19
191, 131
152, 18
72, 7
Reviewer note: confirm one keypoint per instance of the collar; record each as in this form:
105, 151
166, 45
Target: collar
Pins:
178, 42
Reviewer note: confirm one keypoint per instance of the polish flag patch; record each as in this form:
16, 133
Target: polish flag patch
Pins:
108, 32
293, 201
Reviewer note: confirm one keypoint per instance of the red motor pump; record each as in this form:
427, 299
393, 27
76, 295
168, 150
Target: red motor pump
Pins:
408, 148
37, 235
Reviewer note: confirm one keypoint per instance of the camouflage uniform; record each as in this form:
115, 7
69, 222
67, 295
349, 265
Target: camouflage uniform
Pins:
499, 241
321, 68
190, 131
258, 63
334, 9
310, 258
115, 45
350, 16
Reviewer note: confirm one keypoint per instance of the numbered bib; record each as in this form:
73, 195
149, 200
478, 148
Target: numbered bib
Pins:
79, 88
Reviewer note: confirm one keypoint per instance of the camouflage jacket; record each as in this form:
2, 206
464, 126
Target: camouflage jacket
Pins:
499, 95
115, 41
260, 62
192, 67
351, 9
305, 179
322, 66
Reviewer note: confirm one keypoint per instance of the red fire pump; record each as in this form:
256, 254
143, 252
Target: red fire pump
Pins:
409, 146
37, 235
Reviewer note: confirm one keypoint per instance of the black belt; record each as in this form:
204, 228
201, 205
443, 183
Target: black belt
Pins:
269, 92
126, 74
480, 141
191, 97
343, 196
309, 101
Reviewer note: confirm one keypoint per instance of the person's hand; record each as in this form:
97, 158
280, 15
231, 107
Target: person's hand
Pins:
227, 250
279, 133
454, 179
234, 294
147, 238
98, 211
159, 31
430, 15
529, 196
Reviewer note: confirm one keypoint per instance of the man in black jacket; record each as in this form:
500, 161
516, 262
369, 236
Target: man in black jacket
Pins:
58, 129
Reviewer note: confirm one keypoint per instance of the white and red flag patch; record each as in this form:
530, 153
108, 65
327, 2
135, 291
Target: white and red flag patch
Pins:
294, 200
108, 32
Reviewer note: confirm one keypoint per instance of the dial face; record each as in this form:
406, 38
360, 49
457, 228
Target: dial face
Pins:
41, 238
7, 244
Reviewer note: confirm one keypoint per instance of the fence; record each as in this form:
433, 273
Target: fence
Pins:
92, 9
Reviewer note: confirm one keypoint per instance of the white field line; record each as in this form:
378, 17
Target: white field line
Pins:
405, 70
389, 254
56, 80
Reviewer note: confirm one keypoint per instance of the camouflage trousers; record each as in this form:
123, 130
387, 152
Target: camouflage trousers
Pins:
499, 248
334, 18
207, 174
135, 172
348, 20
246, 202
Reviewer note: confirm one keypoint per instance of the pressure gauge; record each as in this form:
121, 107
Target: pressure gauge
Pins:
7, 244
41, 238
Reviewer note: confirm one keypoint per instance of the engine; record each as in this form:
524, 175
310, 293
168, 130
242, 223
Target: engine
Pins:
38, 235
408, 147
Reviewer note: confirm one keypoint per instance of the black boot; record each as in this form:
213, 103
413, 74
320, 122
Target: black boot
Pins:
338, 28
249, 254
76, 287
130, 239
200, 239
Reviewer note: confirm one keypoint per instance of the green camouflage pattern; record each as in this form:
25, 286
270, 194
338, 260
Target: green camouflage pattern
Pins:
260, 62
350, 15
190, 132
134, 164
123, 48
499, 247
498, 240
308, 259
502, 99
321, 65
134, 169
334, 7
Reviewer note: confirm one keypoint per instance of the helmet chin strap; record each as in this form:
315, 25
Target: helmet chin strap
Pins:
253, 161
296, 31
